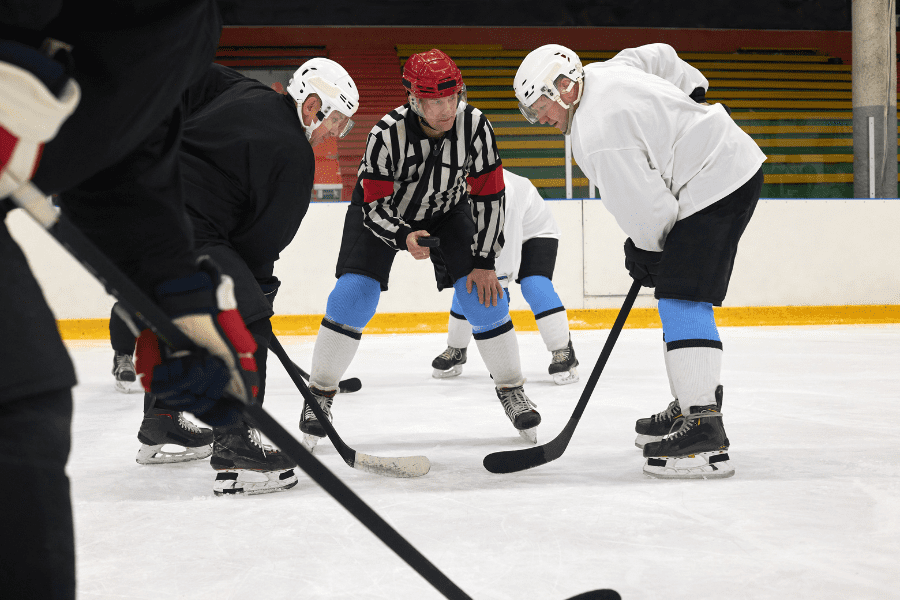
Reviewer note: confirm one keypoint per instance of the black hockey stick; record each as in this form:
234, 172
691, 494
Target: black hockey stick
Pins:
528, 458
345, 386
403, 466
39, 207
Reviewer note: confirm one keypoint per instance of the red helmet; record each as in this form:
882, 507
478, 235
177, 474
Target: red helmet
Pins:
432, 74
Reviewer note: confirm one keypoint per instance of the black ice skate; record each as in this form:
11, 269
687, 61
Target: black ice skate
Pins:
563, 364
309, 425
162, 430
653, 429
698, 450
123, 370
520, 410
246, 465
449, 363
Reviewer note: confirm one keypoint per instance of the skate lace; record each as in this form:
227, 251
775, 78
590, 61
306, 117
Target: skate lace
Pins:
325, 403
124, 363
514, 401
690, 423
256, 440
451, 353
561, 356
185, 424
671, 411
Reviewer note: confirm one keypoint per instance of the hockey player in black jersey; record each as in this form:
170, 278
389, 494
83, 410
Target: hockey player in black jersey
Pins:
420, 161
89, 110
248, 169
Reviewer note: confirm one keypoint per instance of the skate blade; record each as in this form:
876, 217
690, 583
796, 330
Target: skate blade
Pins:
642, 440
128, 387
566, 377
529, 435
309, 442
246, 482
163, 454
451, 372
703, 465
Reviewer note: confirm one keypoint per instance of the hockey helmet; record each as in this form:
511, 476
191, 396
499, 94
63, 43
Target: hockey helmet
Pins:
332, 84
537, 77
432, 74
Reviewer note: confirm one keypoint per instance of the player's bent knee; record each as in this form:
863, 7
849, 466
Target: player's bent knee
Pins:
483, 318
353, 300
540, 294
687, 320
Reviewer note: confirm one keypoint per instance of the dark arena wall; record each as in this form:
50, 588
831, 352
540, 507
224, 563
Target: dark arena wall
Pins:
715, 14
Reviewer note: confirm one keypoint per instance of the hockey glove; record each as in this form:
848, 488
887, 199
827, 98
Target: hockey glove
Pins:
209, 381
269, 287
36, 96
699, 96
642, 265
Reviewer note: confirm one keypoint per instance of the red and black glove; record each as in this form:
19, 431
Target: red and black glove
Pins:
36, 97
211, 380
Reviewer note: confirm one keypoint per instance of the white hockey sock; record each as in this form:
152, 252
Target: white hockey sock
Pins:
695, 373
334, 351
554, 330
501, 356
459, 332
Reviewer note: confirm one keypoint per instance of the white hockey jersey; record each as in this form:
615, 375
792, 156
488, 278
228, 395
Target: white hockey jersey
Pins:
527, 217
656, 155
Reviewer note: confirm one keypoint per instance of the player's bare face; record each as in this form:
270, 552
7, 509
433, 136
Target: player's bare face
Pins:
440, 112
551, 113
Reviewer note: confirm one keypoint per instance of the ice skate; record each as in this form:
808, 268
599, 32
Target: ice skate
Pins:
654, 428
123, 371
310, 427
520, 410
698, 450
449, 363
167, 437
247, 466
563, 365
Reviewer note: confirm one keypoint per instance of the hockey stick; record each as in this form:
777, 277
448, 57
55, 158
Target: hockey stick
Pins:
41, 210
345, 386
404, 466
512, 461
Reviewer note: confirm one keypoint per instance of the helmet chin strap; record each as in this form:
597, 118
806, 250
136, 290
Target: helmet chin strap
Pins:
313, 125
570, 108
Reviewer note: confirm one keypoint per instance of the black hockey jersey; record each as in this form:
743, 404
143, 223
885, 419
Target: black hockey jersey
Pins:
247, 166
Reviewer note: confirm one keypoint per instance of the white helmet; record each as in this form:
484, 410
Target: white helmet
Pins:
537, 74
334, 86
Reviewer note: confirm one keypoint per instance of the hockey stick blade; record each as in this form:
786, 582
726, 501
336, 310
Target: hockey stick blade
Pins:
348, 386
404, 466
512, 461
598, 595
345, 386
38, 206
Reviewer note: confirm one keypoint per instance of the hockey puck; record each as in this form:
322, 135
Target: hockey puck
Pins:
429, 241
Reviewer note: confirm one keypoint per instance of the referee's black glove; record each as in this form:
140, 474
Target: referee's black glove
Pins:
642, 265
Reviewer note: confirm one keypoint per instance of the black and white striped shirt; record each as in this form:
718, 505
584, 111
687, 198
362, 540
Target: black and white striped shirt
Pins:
405, 176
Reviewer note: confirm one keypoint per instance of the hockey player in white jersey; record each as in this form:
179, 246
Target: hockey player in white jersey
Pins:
528, 258
682, 180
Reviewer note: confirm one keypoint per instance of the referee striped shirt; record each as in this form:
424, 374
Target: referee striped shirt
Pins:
405, 177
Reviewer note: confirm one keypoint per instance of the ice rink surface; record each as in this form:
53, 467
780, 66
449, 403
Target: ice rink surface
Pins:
812, 511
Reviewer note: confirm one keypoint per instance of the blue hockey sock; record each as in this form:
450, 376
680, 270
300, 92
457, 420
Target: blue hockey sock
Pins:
548, 309
353, 301
693, 351
494, 335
